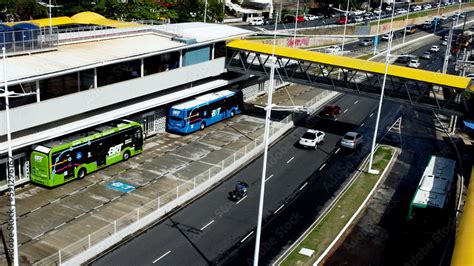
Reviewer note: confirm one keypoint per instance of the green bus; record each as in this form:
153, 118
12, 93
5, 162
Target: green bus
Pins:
61, 160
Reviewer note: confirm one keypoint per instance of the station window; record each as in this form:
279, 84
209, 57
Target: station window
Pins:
86, 78
19, 101
162, 62
219, 49
118, 72
58, 86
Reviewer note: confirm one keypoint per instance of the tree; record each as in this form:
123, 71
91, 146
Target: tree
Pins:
17, 10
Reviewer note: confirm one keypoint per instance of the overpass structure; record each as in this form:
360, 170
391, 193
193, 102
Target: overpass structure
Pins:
439, 92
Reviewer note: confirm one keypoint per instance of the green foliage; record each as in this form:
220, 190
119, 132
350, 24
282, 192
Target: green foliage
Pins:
15, 10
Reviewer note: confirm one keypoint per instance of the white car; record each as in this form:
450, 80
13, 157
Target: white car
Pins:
400, 11
415, 8
444, 43
426, 55
312, 138
414, 63
256, 22
310, 17
434, 48
387, 36
333, 49
358, 19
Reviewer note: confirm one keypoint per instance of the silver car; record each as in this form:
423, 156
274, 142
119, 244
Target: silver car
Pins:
351, 140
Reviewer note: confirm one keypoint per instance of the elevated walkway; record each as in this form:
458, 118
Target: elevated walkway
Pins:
425, 89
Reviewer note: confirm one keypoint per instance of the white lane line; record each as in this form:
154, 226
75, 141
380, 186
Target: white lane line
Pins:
204, 227
241, 200
338, 149
268, 178
345, 110
291, 159
304, 185
322, 166
363, 124
371, 114
356, 102
277, 210
247, 236
162, 256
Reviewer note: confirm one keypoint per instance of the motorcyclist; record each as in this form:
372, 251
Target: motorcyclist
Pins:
241, 187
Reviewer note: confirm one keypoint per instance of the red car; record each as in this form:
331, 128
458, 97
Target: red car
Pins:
300, 18
341, 20
330, 111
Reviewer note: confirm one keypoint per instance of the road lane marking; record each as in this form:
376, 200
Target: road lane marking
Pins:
322, 166
241, 200
162, 256
371, 114
277, 210
291, 159
338, 149
268, 178
356, 102
204, 227
247, 236
304, 185
345, 110
363, 124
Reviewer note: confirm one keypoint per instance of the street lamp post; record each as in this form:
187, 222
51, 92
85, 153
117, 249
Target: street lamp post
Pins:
12, 242
387, 58
49, 6
345, 27
205, 11
265, 153
406, 23
376, 42
296, 22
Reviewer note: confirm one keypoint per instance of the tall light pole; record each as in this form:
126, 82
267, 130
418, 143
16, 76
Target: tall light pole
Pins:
437, 20
406, 23
12, 242
205, 11
387, 59
265, 153
345, 27
49, 6
376, 42
296, 21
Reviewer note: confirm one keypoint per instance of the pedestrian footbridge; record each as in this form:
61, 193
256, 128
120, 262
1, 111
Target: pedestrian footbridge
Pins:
425, 89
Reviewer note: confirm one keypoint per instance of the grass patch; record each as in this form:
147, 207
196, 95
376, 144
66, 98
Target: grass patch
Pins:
330, 226
365, 57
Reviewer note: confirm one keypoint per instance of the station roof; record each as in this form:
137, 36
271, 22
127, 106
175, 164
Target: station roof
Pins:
102, 51
401, 72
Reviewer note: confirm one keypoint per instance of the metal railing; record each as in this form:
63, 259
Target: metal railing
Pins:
25, 41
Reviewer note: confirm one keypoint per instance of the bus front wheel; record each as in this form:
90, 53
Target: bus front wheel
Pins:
203, 125
232, 114
126, 155
81, 173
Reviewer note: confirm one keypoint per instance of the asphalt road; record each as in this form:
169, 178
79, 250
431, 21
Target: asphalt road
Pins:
206, 231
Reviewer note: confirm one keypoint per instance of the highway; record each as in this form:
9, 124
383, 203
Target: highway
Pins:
206, 230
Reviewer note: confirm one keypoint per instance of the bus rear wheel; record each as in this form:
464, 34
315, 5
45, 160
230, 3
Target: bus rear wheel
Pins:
126, 156
81, 173
203, 125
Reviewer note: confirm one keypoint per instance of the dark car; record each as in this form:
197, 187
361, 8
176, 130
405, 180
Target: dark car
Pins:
269, 21
330, 111
289, 19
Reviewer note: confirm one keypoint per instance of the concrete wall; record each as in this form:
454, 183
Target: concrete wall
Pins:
28, 116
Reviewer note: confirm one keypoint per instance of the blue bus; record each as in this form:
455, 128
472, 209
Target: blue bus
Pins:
203, 111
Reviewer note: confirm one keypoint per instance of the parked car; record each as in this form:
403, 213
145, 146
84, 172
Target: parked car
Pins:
269, 21
414, 63
410, 29
333, 49
256, 21
400, 11
351, 140
312, 138
289, 19
434, 48
300, 19
342, 20
426, 55
330, 112
310, 17
415, 8
367, 42
387, 36
443, 18
444, 43
358, 19
427, 25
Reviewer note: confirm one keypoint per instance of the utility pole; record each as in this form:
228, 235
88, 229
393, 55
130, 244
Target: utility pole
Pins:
376, 41
406, 23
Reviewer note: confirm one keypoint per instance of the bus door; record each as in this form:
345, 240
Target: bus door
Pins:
138, 137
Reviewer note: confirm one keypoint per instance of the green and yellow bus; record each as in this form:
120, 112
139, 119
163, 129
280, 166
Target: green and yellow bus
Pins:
73, 156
